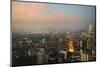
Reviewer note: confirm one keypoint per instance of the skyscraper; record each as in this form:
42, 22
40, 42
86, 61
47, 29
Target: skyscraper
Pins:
90, 36
70, 47
90, 41
70, 43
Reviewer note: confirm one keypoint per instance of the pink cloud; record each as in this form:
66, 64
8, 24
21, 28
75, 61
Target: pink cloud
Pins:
31, 15
28, 10
55, 16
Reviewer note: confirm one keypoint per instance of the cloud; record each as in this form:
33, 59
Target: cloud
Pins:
40, 17
24, 13
55, 16
27, 9
59, 16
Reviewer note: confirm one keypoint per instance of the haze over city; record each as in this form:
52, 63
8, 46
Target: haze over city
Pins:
47, 33
33, 17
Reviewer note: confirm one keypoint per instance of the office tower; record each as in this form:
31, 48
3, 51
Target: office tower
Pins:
90, 35
70, 47
43, 41
40, 56
90, 41
84, 56
64, 53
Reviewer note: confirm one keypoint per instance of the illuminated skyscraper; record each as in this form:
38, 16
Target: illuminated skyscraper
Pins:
90, 41
70, 45
90, 36
90, 29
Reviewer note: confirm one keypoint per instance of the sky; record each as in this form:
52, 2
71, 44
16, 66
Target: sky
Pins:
34, 17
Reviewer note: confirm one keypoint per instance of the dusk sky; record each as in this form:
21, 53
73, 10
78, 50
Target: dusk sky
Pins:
33, 17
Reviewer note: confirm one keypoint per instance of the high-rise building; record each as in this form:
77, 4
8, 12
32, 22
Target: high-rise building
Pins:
64, 53
83, 55
90, 41
90, 35
40, 55
43, 41
70, 46
70, 43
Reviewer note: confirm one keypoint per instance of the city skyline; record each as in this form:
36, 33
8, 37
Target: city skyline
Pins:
47, 33
42, 17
